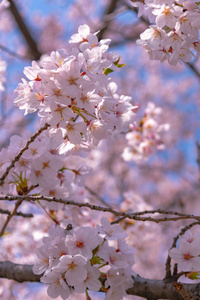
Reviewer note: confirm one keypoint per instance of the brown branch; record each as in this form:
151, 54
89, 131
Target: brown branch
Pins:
9, 217
154, 211
193, 68
132, 216
160, 211
161, 289
21, 214
17, 157
198, 154
25, 31
18, 272
147, 288
110, 9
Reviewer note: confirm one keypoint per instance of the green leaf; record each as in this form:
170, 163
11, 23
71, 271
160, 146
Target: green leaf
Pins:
107, 71
193, 275
116, 63
95, 260
120, 65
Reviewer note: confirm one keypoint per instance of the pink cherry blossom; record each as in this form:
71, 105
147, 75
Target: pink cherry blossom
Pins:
110, 231
74, 268
187, 256
83, 241
57, 285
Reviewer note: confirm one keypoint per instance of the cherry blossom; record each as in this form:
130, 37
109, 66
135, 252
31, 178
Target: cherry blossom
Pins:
110, 231
93, 130
146, 136
83, 241
187, 256
83, 250
91, 282
180, 20
57, 285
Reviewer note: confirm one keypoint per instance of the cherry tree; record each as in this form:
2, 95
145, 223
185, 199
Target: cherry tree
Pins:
99, 176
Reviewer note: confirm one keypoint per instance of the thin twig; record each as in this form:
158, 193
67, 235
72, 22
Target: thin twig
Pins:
17, 157
132, 216
118, 220
160, 211
93, 193
178, 275
9, 217
12, 53
21, 214
46, 212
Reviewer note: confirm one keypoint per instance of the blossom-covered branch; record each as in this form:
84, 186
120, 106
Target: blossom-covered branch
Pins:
88, 125
142, 287
17, 157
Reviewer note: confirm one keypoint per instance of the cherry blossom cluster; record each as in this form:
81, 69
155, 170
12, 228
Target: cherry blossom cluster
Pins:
187, 253
174, 33
146, 136
71, 91
41, 169
84, 258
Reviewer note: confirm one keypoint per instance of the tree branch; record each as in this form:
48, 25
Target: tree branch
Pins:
21, 214
148, 288
25, 31
162, 289
18, 272
12, 53
133, 216
9, 217
110, 9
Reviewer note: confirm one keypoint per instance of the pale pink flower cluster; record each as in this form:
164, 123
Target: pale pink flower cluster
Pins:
174, 33
145, 137
71, 90
42, 169
74, 259
187, 254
